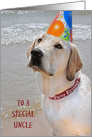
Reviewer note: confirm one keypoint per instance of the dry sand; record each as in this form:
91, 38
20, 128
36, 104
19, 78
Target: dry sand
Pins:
40, 126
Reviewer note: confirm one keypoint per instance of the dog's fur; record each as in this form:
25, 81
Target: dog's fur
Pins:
70, 116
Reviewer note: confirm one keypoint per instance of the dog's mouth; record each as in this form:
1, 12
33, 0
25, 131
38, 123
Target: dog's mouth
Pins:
34, 66
39, 68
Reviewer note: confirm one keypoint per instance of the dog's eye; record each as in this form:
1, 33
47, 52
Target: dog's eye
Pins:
58, 46
39, 40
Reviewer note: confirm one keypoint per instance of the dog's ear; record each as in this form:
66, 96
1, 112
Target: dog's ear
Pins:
74, 63
30, 49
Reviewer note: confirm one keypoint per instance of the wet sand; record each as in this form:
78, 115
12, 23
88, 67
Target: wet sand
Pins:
40, 126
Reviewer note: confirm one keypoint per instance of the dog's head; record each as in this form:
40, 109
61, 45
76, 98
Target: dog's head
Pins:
49, 55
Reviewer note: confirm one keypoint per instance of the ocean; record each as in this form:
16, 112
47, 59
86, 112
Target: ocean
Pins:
18, 30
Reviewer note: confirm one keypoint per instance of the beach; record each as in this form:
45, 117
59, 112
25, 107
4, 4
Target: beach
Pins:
40, 127
18, 30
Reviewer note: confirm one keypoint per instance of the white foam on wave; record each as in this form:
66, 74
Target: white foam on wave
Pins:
81, 32
22, 33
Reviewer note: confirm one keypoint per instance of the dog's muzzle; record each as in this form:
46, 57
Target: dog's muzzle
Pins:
36, 55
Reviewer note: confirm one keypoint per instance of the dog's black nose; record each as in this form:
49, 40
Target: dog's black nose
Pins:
37, 53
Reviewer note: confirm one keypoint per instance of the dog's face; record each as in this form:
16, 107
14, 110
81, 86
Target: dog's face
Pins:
49, 54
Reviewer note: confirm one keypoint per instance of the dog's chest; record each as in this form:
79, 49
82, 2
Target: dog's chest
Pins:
56, 116
62, 119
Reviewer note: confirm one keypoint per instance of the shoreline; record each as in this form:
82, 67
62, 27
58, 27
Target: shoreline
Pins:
39, 127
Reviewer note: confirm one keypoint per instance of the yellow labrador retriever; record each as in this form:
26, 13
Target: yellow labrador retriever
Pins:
66, 92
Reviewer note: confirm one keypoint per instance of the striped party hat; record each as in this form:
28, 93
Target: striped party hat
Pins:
61, 26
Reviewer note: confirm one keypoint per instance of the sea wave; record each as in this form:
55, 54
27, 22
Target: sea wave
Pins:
81, 32
23, 33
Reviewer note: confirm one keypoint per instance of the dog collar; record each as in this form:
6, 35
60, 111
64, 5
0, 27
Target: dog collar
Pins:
66, 92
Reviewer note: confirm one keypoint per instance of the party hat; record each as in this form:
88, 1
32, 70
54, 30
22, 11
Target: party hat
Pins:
61, 26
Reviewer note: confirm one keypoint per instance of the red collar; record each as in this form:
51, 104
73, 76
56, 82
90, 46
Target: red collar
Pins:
66, 92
